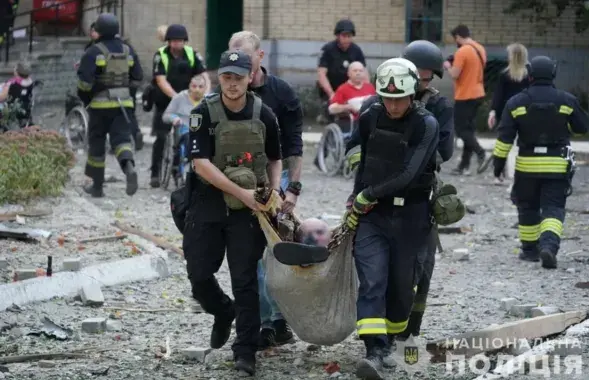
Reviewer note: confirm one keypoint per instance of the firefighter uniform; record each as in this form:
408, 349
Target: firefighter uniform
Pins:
106, 73
392, 211
543, 118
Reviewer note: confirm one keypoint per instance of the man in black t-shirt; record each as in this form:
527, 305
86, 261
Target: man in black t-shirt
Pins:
235, 148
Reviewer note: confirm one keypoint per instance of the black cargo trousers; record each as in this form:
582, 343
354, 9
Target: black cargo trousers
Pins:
204, 246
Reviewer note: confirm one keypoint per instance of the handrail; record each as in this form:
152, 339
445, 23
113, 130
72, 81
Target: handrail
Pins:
110, 5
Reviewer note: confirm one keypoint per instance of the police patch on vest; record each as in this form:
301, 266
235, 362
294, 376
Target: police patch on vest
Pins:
195, 122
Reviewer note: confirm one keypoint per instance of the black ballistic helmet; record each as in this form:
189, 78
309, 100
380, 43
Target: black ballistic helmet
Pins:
425, 55
345, 26
176, 32
107, 25
542, 67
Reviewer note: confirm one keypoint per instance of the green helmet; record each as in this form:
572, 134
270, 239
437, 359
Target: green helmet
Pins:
396, 78
242, 177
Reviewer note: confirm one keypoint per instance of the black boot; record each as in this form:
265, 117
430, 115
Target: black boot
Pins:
138, 141
267, 338
222, 329
247, 365
94, 190
371, 367
131, 174
548, 259
154, 182
283, 333
387, 360
532, 256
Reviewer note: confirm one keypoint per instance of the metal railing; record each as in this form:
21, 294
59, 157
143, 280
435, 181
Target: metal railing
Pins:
117, 7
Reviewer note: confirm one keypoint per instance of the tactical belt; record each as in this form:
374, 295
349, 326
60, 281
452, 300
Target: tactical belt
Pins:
415, 196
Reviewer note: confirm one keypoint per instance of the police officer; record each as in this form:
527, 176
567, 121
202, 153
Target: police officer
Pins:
335, 57
391, 211
543, 119
281, 98
235, 147
174, 65
107, 72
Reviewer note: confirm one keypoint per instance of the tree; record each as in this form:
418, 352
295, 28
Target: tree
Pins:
544, 13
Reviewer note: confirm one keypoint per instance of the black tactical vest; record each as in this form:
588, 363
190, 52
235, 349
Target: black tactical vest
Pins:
541, 124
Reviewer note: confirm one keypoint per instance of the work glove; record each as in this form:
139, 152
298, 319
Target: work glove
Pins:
351, 219
363, 203
353, 158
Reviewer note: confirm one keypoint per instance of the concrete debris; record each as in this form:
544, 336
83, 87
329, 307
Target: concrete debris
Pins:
26, 274
114, 325
522, 311
196, 353
91, 295
545, 310
566, 347
46, 364
72, 264
507, 303
461, 254
94, 325
3, 263
522, 346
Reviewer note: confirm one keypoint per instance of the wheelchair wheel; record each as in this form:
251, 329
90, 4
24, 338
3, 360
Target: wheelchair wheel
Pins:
75, 128
331, 150
347, 172
167, 161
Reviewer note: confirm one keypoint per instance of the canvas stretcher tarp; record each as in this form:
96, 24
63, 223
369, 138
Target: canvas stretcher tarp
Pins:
319, 302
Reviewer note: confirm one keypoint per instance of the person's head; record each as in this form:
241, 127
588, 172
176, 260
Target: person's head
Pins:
93, 34
356, 73
517, 58
313, 231
161, 33
249, 43
542, 68
397, 81
197, 87
107, 25
428, 59
461, 34
176, 36
23, 69
235, 73
344, 31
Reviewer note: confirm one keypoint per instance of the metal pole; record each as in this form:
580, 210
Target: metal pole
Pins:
31, 22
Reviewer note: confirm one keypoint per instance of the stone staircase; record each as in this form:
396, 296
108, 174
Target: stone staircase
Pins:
52, 62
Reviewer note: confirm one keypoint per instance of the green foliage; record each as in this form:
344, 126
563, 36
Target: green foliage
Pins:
310, 100
544, 12
9, 115
34, 163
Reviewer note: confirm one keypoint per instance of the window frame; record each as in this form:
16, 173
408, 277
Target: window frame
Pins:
409, 18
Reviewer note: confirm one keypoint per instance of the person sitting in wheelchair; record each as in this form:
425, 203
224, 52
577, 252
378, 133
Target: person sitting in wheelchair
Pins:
178, 111
349, 96
17, 96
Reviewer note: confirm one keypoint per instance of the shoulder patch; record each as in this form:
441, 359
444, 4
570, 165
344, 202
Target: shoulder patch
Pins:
157, 59
195, 122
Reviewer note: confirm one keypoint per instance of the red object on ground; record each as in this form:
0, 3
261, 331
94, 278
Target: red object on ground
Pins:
64, 12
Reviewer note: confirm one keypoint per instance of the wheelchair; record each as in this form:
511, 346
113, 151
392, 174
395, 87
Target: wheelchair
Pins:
331, 151
175, 162
76, 123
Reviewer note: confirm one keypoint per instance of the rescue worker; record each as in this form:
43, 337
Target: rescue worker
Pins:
235, 147
429, 60
281, 98
174, 66
391, 210
543, 119
107, 72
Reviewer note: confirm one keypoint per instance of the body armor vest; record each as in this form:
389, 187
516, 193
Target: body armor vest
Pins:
239, 143
542, 124
113, 74
387, 148
20, 98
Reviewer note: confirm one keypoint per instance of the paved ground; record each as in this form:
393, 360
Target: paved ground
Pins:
466, 294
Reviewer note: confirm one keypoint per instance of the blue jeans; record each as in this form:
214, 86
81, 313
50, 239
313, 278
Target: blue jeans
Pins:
269, 311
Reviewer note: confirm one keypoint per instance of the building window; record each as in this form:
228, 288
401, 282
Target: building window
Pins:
424, 20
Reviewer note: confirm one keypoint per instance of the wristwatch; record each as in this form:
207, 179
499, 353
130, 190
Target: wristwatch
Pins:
295, 188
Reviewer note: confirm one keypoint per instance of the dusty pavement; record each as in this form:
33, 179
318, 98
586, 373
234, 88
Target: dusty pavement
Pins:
466, 294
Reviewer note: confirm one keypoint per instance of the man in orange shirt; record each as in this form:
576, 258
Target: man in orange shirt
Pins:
467, 69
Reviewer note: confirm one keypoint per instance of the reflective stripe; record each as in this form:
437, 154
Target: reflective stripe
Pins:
541, 164
519, 111
566, 110
354, 158
372, 326
551, 225
396, 327
96, 162
415, 289
418, 307
501, 149
529, 233
131, 62
84, 86
166, 59
104, 104
122, 148
100, 60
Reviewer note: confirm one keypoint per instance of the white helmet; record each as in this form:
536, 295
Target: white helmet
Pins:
396, 78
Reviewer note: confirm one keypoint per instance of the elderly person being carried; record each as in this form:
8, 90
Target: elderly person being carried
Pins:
309, 247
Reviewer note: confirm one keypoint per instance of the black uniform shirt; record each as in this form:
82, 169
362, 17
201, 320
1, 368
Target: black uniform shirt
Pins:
202, 145
336, 61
